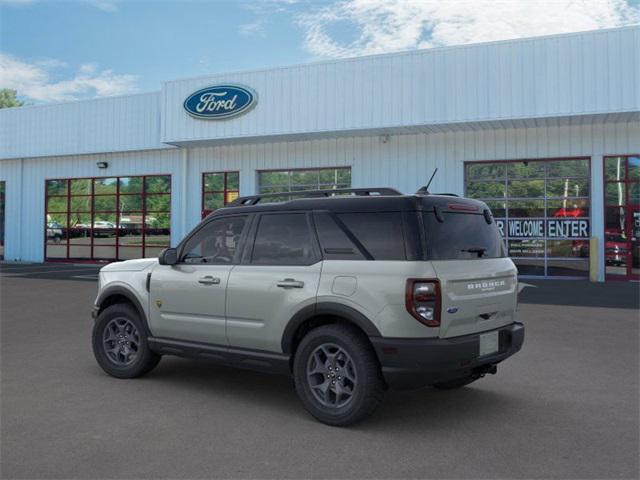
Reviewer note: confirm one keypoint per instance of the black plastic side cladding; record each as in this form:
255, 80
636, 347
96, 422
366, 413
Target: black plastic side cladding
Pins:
121, 291
325, 309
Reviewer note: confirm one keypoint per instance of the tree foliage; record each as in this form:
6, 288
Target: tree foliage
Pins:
8, 98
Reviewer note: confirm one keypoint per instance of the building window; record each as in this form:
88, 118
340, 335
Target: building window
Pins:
218, 189
104, 219
542, 208
2, 187
622, 217
274, 181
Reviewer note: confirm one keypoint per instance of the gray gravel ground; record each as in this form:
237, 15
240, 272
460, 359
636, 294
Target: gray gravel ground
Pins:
565, 407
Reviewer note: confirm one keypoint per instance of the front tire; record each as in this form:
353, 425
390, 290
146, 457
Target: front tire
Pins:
120, 343
337, 375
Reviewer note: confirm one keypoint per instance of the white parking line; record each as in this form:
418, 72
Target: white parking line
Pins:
38, 272
18, 269
90, 277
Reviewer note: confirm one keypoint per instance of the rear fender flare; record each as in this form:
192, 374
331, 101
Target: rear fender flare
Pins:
345, 312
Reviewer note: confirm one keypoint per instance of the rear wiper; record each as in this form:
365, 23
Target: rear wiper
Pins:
479, 250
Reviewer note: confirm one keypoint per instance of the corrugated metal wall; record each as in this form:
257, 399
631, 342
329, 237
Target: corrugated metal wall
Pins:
556, 76
585, 74
112, 124
403, 161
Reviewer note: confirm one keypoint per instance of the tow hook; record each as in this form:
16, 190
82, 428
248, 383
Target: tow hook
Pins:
483, 370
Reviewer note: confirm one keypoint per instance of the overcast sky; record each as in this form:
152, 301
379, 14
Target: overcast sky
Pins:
64, 50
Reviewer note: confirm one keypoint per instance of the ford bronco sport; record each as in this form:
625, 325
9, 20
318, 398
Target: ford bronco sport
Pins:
350, 292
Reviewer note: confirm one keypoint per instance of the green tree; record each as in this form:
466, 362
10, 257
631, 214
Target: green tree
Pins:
8, 98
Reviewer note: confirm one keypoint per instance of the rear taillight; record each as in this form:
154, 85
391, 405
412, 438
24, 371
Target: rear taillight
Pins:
422, 299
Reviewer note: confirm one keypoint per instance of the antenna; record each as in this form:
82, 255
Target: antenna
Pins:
425, 190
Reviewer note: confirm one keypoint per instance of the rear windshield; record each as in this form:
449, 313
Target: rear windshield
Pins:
462, 236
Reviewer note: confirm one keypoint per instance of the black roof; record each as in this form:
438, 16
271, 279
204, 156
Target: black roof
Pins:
391, 201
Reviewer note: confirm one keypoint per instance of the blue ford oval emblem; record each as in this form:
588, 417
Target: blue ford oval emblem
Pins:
220, 101
452, 309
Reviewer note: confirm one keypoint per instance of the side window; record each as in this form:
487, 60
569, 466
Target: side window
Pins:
215, 243
334, 242
380, 233
283, 239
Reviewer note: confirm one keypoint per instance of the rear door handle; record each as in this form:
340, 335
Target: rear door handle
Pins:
209, 280
290, 283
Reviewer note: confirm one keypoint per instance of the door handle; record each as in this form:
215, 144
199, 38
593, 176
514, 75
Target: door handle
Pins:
290, 283
209, 280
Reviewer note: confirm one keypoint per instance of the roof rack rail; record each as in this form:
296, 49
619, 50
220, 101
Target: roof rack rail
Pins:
360, 192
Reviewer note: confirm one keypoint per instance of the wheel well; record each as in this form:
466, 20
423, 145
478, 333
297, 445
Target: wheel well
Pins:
318, 321
115, 299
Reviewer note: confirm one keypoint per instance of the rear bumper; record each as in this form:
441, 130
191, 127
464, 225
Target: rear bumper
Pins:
417, 362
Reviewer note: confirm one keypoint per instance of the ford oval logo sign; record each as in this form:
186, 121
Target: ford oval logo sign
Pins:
220, 102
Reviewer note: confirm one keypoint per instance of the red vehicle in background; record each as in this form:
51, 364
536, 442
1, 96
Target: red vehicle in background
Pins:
580, 247
615, 247
569, 213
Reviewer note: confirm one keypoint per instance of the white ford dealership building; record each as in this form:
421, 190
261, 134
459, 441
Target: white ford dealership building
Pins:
545, 130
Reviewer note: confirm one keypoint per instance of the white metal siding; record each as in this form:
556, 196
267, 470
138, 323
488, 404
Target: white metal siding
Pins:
113, 124
558, 76
404, 162
592, 76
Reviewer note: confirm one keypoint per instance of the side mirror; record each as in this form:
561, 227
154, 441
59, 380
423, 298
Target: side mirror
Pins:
169, 256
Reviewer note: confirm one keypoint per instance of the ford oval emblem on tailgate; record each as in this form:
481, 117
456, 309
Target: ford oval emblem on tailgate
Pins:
452, 309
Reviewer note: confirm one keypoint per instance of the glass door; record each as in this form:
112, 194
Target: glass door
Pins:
107, 219
622, 217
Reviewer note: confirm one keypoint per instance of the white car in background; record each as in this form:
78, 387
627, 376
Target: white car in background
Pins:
102, 228
54, 232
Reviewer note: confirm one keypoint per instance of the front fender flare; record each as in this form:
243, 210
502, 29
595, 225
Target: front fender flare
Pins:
129, 295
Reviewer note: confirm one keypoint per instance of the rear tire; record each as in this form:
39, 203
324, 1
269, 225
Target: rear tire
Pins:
337, 375
454, 384
120, 343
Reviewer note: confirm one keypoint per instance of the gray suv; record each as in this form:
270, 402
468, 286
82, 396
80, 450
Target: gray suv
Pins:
350, 292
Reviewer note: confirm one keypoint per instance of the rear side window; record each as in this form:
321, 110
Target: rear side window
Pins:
379, 233
284, 239
462, 236
334, 241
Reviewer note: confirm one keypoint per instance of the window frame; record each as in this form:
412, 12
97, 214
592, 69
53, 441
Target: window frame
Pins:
247, 255
302, 169
628, 209
225, 191
505, 179
92, 213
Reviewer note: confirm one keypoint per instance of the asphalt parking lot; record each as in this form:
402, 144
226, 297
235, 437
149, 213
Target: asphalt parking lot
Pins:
564, 407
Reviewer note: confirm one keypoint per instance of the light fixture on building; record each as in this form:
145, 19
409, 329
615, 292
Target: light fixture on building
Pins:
102, 164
